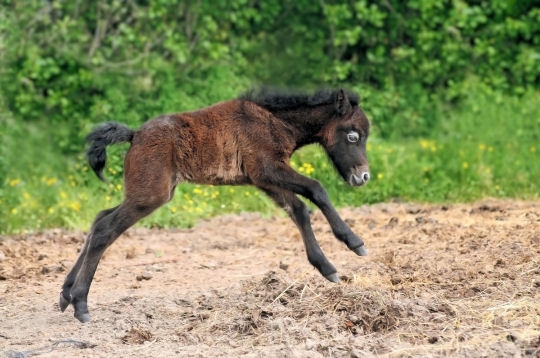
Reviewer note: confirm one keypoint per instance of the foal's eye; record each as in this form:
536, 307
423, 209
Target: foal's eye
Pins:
353, 136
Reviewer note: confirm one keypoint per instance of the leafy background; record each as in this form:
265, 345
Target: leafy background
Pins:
451, 88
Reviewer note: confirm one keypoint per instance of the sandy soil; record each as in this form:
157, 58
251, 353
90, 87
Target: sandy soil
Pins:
456, 280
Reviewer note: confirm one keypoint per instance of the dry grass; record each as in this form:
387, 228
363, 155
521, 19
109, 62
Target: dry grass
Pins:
341, 320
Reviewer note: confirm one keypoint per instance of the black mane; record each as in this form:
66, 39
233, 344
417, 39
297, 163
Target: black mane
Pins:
276, 100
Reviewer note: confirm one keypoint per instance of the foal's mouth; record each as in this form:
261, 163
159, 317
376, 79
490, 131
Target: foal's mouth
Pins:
359, 177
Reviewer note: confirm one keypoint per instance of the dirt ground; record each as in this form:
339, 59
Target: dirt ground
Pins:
453, 280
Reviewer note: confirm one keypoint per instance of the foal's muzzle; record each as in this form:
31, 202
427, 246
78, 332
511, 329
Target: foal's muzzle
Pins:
359, 178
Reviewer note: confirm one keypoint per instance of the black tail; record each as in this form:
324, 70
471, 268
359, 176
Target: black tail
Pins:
101, 137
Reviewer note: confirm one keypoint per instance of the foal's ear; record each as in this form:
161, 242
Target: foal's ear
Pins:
342, 103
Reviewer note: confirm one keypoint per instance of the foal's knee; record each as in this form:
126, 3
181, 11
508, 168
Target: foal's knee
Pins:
318, 194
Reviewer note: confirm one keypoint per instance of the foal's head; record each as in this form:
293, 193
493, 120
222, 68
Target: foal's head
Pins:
344, 137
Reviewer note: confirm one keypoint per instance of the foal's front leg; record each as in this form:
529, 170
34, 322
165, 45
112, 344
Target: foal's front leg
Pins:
286, 178
299, 213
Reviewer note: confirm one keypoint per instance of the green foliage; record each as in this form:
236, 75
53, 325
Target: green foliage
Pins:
422, 51
78, 62
451, 88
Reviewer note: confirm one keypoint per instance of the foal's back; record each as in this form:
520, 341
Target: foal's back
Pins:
222, 144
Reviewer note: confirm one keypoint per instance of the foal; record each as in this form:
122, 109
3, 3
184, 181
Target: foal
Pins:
248, 140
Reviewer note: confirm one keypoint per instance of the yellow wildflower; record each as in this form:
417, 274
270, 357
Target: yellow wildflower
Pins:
306, 168
428, 144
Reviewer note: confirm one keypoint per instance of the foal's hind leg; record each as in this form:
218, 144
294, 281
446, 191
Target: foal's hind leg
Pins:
149, 185
105, 231
70, 279
298, 212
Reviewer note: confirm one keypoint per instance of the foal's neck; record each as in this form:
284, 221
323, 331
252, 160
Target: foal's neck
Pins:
307, 122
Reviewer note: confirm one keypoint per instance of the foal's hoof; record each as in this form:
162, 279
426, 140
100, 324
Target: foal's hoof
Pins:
81, 313
63, 303
83, 317
360, 251
333, 277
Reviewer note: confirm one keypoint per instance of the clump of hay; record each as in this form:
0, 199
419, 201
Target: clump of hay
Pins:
137, 335
339, 319
273, 310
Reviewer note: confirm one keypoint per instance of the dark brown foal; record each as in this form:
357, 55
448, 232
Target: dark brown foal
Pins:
248, 140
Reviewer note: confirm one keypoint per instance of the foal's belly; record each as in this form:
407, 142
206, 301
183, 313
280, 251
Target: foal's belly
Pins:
221, 176
218, 171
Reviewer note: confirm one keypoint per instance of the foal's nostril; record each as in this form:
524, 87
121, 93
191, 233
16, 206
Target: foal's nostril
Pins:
365, 177
359, 179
